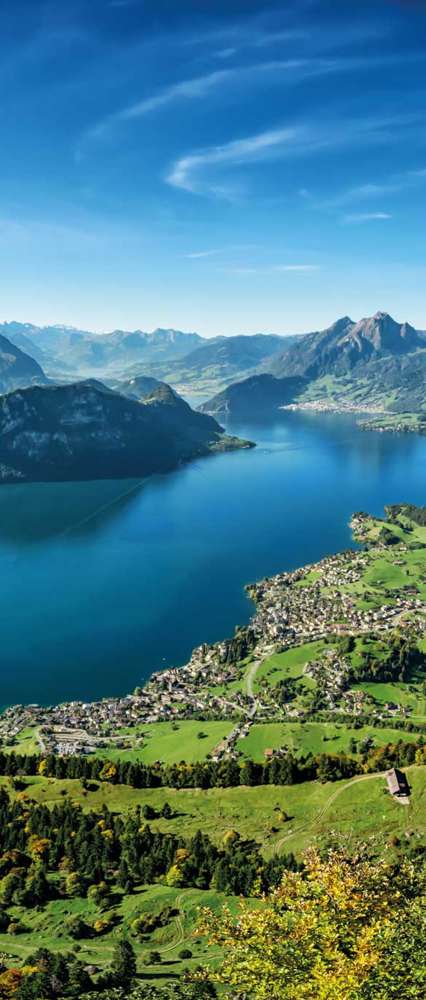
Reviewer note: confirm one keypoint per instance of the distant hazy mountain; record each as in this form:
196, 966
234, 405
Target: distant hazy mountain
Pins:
215, 363
196, 366
257, 395
64, 348
376, 362
233, 353
346, 345
86, 431
17, 369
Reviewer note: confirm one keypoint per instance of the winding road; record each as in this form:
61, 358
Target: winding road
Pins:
321, 813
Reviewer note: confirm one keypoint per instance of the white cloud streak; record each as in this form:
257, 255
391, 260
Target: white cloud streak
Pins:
200, 87
237, 151
202, 253
394, 184
303, 268
188, 172
276, 269
197, 88
356, 217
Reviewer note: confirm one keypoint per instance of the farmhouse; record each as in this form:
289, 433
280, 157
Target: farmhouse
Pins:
397, 783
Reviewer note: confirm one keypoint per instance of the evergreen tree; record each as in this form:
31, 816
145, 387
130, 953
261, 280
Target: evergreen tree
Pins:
123, 966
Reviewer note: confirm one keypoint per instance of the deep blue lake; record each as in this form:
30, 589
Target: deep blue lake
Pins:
102, 583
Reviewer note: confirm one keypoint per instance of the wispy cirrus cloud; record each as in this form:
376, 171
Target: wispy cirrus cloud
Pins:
226, 81
274, 269
358, 217
302, 268
185, 172
199, 254
193, 171
190, 89
199, 87
395, 183
229, 249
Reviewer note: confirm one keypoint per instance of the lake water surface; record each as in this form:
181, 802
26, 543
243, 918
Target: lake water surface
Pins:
102, 583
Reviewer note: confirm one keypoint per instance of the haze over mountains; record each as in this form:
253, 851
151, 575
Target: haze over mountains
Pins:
62, 348
195, 365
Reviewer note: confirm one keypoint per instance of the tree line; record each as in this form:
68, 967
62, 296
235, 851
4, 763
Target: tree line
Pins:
283, 769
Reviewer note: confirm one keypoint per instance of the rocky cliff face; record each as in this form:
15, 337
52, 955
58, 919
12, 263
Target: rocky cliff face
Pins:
347, 346
86, 431
17, 369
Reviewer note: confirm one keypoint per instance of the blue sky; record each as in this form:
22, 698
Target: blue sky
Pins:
226, 167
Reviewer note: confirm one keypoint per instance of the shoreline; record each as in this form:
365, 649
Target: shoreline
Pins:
290, 609
324, 406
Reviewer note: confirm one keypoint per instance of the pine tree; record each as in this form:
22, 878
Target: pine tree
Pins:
123, 966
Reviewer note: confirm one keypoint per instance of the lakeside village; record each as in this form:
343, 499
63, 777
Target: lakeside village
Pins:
292, 608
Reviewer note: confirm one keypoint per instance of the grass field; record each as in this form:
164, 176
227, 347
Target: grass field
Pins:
315, 737
409, 696
170, 742
287, 664
25, 742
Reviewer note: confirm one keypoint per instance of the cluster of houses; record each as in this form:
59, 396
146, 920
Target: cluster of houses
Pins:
293, 609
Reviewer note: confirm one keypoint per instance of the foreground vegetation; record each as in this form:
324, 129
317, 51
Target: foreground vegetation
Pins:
345, 926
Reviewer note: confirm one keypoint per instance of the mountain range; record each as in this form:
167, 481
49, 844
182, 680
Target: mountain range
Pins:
61, 348
87, 431
196, 366
64, 348
375, 363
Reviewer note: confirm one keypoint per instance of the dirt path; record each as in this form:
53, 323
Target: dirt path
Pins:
321, 813
250, 675
180, 928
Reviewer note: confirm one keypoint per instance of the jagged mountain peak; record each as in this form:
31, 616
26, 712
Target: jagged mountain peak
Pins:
346, 345
341, 323
385, 334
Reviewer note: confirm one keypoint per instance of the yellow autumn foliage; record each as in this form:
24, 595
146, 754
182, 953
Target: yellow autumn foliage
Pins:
38, 846
344, 929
